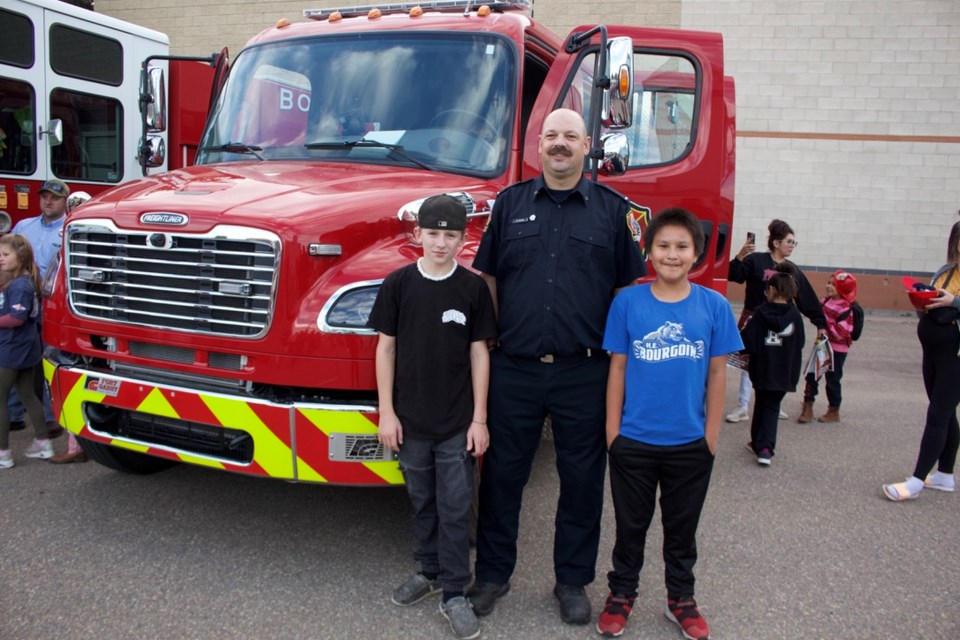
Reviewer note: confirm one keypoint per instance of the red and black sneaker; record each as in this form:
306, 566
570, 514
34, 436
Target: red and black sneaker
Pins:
684, 612
614, 616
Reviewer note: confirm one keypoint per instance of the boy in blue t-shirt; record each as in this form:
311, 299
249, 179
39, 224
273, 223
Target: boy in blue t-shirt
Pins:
669, 342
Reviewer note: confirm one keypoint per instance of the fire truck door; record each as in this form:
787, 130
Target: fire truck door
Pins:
678, 147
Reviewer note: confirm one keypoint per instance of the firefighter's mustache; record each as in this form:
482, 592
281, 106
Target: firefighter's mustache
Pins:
559, 149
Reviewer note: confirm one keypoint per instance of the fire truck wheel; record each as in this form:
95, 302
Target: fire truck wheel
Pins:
123, 460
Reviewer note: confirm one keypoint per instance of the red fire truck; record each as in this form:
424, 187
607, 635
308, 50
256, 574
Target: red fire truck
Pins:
70, 86
216, 315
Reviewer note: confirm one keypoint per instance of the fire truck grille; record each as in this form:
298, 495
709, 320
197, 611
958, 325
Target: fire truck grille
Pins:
221, 284
231, 445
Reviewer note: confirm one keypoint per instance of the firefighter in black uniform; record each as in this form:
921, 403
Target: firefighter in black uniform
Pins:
556, 250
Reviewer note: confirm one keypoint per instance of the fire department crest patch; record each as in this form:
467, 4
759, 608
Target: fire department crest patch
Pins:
637, 220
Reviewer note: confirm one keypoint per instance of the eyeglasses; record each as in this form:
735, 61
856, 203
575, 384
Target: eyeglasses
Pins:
790, 243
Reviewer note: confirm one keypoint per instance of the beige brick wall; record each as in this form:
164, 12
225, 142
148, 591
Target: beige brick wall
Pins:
867, 98
848, 110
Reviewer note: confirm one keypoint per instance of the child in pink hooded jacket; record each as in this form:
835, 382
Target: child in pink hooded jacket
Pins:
841, 292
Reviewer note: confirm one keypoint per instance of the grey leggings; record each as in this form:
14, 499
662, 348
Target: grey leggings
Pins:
24, 380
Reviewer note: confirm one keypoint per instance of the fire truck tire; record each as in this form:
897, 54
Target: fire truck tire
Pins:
123, 460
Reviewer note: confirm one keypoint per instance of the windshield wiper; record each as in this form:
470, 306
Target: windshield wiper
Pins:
236, 147
363, 143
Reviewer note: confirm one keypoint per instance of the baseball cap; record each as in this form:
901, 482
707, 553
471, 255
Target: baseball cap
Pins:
56, 187
442, 212
845, 284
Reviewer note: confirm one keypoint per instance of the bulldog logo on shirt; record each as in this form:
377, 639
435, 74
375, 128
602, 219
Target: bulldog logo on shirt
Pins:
667, 343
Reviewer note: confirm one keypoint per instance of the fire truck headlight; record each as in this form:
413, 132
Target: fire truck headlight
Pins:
350, 309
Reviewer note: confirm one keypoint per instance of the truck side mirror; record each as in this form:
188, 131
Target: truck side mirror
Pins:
616, 154
618, 98
153, 99
152, 151
54, 132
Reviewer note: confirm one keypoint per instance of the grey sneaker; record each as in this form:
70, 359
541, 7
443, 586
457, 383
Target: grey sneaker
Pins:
6, 459
415, 589
462, 619
42, 449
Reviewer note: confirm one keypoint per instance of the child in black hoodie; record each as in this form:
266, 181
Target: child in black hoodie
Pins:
773, 338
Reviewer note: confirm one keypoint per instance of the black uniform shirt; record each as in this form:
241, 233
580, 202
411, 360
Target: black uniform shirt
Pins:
557, 258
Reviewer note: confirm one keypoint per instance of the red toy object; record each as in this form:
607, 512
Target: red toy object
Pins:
920, 299
920, 294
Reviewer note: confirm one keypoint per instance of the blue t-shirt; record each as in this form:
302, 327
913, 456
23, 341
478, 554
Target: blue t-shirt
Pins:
45, 239
20, 346
668, 347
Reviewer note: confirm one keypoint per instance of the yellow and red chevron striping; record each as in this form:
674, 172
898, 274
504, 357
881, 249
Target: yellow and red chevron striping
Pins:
290, 442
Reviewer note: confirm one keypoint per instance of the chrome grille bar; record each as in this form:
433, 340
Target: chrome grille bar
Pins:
222, 282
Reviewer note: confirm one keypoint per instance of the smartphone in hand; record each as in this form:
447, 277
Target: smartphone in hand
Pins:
751, 237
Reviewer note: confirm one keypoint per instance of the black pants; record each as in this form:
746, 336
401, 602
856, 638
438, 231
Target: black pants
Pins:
833, 378
766, 416
683, 474
941, 379
522, 393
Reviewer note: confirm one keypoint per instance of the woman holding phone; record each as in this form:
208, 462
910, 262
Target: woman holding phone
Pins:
754, 269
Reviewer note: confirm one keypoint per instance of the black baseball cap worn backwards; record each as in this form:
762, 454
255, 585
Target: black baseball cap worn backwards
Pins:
442, 212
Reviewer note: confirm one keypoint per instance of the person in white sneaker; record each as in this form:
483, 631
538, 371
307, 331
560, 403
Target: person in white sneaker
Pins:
20, 342
754, 269
940, 342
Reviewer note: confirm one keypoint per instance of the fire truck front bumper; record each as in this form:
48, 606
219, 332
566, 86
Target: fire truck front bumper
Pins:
300, 442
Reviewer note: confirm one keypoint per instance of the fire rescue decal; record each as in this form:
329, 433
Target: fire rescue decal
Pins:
637, 220
106, 386
290, 443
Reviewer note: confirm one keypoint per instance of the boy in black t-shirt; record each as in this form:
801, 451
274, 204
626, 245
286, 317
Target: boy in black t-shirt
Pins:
433, 319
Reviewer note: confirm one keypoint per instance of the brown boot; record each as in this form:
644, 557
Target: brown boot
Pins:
832, 415
806, 413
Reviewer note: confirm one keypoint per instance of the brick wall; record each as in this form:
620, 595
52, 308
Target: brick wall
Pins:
848, 119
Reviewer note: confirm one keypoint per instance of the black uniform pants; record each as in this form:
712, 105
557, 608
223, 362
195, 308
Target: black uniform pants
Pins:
522, 393
941, 379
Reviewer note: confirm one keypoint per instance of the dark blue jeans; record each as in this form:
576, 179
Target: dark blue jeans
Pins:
439, 477
682, 473
522, 393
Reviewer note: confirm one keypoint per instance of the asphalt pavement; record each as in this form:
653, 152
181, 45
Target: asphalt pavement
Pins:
808, 548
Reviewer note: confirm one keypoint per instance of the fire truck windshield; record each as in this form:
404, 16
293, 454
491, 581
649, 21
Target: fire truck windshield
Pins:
431, 100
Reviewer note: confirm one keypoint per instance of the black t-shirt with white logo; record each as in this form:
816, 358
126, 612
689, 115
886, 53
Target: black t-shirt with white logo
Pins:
434, 322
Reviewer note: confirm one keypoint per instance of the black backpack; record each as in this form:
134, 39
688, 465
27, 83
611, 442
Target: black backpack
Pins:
857, 312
